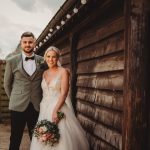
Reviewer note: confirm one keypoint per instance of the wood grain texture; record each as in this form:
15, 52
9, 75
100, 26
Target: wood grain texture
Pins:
109, 63
113, 44
111, 81
108, 135
108, 99
104, 116
99, 33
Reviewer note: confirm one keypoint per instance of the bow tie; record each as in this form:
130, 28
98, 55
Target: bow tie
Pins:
28, 58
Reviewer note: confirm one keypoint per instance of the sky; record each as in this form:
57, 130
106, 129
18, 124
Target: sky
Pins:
18, 16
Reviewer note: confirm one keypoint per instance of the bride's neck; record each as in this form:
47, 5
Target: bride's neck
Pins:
53, 69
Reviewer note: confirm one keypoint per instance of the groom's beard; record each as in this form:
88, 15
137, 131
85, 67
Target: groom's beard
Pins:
30, 51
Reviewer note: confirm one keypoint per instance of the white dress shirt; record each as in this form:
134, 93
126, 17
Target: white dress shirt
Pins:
30, 65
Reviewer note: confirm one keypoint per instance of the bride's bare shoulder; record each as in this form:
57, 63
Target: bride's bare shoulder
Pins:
64, 71
44, 73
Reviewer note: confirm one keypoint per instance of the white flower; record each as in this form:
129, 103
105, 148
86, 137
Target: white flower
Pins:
44, 128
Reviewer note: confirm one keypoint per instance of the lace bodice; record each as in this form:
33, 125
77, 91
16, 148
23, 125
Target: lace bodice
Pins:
53, 88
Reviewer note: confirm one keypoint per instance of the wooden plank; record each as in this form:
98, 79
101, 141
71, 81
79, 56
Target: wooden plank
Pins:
109, 118
137, 73
94, 35
111, 81
2, 91
85, 94
5, 109
65, 59
98, 144
86, 109
65, 50
109, 63
66, 66
63, 44
110, 136
4, 103
113, 44
109, 99
105, 116
86, 123
73, 69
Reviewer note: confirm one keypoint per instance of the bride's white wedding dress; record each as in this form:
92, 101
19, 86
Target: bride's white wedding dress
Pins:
72, 136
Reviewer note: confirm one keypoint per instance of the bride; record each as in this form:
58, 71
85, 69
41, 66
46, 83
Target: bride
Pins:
55, 85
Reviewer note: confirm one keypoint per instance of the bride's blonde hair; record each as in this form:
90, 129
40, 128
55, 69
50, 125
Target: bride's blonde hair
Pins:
52, 48
56, 50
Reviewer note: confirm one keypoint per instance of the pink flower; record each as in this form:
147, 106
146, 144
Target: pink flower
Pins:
44, 137
40, 130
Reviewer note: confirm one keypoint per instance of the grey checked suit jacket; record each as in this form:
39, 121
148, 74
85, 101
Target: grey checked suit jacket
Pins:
19, 86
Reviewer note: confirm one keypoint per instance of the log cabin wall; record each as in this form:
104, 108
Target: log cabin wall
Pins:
136, 129
64, 46
4, 112
93, 49
100, 65
102, 46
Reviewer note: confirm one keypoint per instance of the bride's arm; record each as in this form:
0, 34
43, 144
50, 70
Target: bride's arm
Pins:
63, 93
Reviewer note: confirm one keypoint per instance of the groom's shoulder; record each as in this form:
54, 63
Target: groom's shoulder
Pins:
13, 58
39, 57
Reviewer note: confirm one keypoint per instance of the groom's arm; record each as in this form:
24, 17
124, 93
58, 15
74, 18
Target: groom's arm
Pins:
8, 78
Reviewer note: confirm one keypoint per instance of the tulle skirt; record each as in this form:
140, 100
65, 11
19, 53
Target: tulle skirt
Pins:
72, 135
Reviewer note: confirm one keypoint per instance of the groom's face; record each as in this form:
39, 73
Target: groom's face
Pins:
27, 44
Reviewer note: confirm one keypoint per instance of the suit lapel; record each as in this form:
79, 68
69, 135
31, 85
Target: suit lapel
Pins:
20, 66
37, 67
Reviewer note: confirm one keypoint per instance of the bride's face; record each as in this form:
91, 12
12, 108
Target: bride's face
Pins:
51, 58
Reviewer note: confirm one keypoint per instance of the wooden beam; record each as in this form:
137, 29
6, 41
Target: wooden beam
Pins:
135, 124
73, 56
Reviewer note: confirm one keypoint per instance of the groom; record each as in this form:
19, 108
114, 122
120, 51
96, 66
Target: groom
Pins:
22, 83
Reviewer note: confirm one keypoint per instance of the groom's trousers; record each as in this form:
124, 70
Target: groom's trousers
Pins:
18, 122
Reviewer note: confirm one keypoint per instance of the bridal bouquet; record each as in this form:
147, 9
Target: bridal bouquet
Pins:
48, 132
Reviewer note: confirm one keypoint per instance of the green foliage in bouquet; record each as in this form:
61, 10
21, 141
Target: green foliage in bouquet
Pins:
48, 132
60, 115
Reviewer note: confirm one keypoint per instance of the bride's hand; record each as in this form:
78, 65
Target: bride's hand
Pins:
55, 117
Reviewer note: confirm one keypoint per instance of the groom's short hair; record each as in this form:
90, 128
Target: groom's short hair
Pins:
27, 34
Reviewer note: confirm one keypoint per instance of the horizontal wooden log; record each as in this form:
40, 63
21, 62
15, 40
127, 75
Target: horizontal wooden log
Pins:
65, 59
65, 49
109, 63
3, 103
98, 144
86, 94
93, 35
109, 117
109, 99
5, 109
110, 136
105, 116
113, 44
66, 66
86, 123
4, 98
85, 109
1, 86
110, 81
2, 91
